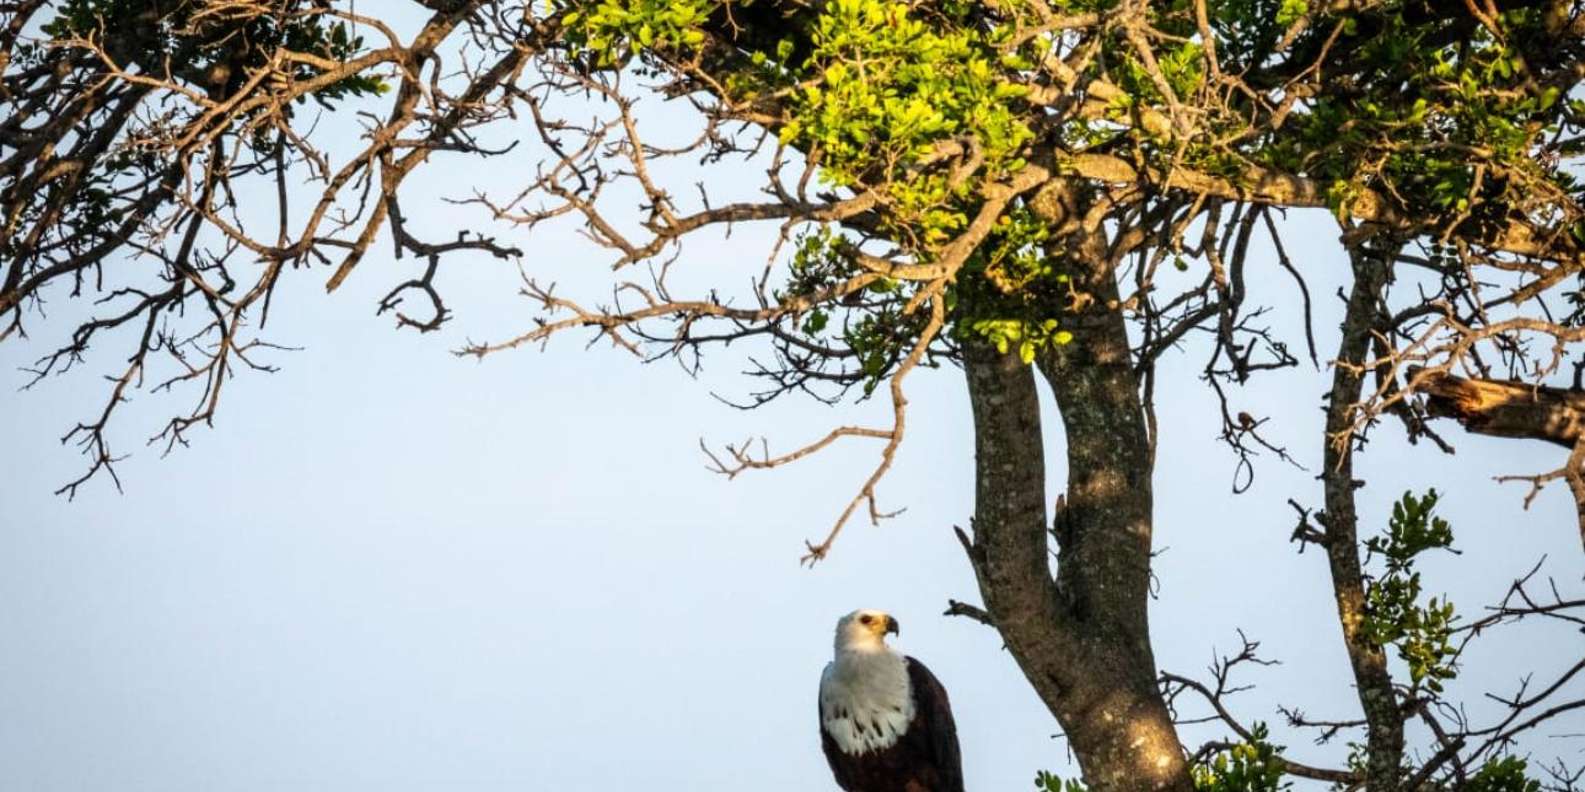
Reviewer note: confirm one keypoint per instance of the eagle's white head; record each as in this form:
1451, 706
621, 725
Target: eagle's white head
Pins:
865, 631
866, 701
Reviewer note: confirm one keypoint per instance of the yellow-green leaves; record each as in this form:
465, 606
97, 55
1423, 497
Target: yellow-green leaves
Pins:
887, 88
1249, 766
614, 30
1029, 338
1290, 11
1015, 256
1010, 291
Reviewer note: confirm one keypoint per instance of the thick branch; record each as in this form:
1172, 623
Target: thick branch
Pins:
1504, 409
1275, 188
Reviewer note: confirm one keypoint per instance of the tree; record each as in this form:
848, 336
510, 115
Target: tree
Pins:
996, 186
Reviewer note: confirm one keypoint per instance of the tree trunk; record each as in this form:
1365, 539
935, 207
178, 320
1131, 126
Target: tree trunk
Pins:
1372, 680
1082, 638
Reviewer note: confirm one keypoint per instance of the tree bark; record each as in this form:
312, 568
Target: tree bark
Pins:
1372, 680
1082, 637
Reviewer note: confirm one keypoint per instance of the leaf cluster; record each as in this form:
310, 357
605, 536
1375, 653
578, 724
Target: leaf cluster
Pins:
213, 50
1249, 766
612, 31
1253, 765
881, 87
1422, 634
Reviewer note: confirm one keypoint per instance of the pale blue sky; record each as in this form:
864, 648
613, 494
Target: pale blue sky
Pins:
387, 568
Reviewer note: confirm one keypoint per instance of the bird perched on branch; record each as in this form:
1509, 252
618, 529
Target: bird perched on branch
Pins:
885, 722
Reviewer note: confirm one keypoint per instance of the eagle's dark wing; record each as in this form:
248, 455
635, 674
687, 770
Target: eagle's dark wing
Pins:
841, 764
934, 713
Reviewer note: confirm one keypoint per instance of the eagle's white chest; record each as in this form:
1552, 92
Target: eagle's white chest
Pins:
866, 702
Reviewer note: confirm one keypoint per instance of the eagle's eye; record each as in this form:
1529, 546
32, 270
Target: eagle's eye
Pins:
864, 619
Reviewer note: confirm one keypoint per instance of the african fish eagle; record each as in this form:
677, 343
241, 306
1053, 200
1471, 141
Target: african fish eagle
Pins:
885, 722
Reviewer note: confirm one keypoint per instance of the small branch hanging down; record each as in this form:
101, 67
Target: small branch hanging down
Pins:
1572, 473
899, 417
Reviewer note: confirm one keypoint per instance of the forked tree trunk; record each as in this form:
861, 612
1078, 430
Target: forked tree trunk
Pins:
1081, 637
